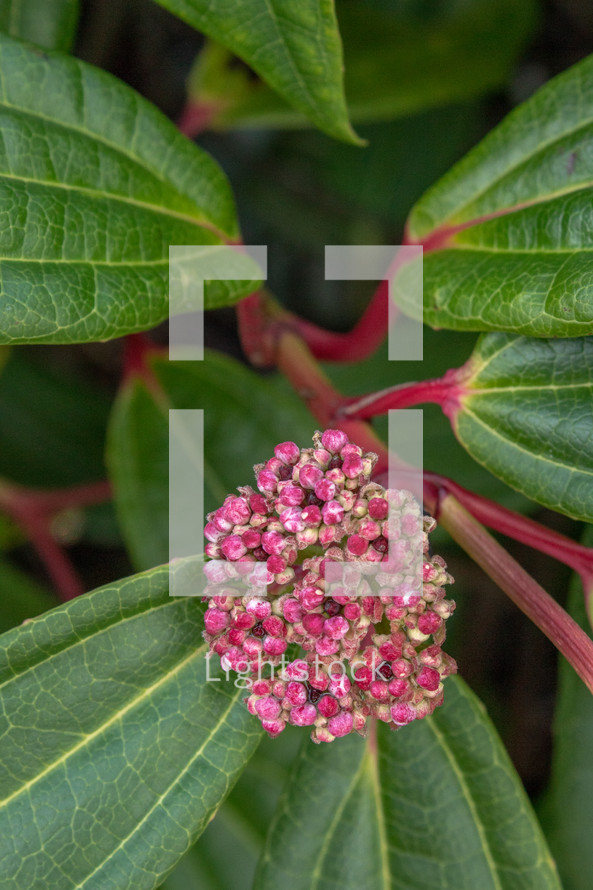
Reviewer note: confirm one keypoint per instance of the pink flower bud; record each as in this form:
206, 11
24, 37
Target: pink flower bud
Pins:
291, 495
310, 475
357, 545
336, 627
328, 706
215, 620
287, 452
352, 467
310, 597
326, 646
251, 538
332, 513
274, 625
397, 688
410, 525
273, 543
303, 715
212, 533
428, 679
296, 693
291, 520
258, 504
266, 481
273, 727
274, 646
334, 440
259, 608
402, 714
352, 611
378, 508
243, 620
336, 476
325, 490
275, 564
311, 516
341, 724
313, 623
233, 547
237, 511
297, 670
428, 622
306, 538
339, 685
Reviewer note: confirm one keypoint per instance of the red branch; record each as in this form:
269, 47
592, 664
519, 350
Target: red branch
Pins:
532, 599
34, 510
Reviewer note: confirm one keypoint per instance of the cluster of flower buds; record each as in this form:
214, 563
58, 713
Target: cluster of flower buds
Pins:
324, 562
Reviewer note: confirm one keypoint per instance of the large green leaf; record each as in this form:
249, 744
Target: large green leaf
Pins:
295, 47
567, 808
95, 185
245, 416
507, 232
435, 806
226, 854
526, 413
50, 23
115, 750
399, 60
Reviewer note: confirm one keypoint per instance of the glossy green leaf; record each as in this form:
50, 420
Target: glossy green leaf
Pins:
435, 806
526, 414
245, 417
295, 47
567, 808
226, 854
95, 185
49, 23
115, 750
507, 232
418, 60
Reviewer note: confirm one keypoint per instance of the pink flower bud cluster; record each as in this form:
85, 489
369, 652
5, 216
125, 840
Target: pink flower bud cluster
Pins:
371, 632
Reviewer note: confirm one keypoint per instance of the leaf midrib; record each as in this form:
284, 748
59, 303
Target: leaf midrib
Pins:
159, 209
164, 795
117, 621
89, 737
570, 468
526, 159
459, 775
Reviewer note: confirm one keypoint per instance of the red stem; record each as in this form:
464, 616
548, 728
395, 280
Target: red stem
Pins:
364, 338
531, 598
33, 510
444, 391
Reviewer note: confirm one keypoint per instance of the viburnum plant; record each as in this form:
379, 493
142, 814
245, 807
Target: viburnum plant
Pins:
127, 715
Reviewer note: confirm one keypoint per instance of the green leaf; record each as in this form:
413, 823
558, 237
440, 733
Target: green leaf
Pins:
245, 417
115, 751
119, 184
434, 805
295, 47
526, 414
226, 855
418, 60
507, 232
567, 808
49, 23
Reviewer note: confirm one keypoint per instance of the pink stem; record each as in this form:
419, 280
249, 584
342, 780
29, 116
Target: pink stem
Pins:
364, 338
444, 391
532, 599
33, 511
